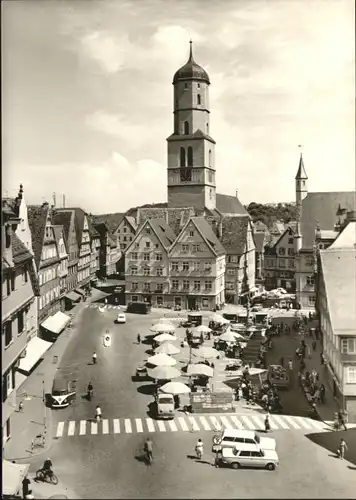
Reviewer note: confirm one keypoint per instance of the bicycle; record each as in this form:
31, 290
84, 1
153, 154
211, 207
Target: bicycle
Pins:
149, 457
46, 476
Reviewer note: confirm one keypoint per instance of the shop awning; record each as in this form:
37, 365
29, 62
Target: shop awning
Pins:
12, 476
34, 351
74, 297
80, 291
56, 323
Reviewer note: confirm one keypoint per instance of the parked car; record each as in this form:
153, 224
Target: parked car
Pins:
121, 318
232, 438
245, 457
165, 406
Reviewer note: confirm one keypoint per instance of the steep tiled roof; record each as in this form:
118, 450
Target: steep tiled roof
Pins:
175, 217
79, 217
132, 221
163, 231
208, 233
37, 217
58, 231
260, 227
227, 204
19, 251
234, 234
62, 219
112, 243
339, 271
321, 208
92, 229
260, 241
347, 238
111, 220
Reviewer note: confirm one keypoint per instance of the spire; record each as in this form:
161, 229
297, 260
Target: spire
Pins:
191, 58
301, 174
20, 195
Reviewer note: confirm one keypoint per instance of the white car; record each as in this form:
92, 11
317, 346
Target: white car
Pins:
249, 457
237, 438
121, 318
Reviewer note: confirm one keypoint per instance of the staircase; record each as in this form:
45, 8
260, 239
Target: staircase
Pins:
251, 352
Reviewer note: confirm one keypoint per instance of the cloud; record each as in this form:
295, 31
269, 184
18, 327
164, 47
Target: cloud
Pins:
109, 51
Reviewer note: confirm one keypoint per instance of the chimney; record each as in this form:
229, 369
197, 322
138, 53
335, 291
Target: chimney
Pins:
237, 193
64, 201
219, 228
54, 200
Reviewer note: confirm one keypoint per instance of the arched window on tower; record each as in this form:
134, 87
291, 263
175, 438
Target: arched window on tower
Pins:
190, 156
199, 98
209, 157
182, 157
186, 128
207, 128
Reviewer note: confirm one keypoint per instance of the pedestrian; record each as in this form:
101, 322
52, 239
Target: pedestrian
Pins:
281, 361
25, 486
267, 423
321, 358
138, 338
342, 448
94, 358
322, 393
21, 406
290, 365
98, 413
314, 345
240, 393
342, 420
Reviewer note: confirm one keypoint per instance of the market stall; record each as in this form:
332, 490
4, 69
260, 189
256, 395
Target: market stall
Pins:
278, 376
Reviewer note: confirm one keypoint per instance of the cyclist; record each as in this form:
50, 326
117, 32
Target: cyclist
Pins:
199, 448
47, 467
148, 449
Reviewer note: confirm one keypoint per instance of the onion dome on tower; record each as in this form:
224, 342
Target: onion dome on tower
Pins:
191, 70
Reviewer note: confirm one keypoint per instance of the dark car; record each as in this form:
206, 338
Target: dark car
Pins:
138, 307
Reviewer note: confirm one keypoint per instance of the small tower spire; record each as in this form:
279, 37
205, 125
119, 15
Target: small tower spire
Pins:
191, 59
301, 174
20, 195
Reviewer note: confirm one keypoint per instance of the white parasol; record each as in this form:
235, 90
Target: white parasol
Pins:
175, 388
163, 337
200, 369
162, 328
167, 348
229, 336
161, 359
201, 329
206, 352
163, 373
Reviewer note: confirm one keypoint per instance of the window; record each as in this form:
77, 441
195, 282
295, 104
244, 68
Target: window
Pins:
24, 275
20, 322
159, 288
8, 285
191, 233
13, 278
311, 300
146, 256
158, 256
291, 264
159, 271
310, 280
290, 241
185, 266
282, 263
351, 375
134, 298
124, 238
185, 248
198, 85
197, 285
207, 266
125, 229
210, 176
190, 156
208, 285
175, 284
309, 261
146, 271
196, 266
147, 287
186, 128
134, 256
148, 230
281, 251
147, 244
209, 157
185, 86
245, 454
134, 286
348, 346
159, 301
290, 251
7, 332
199, 99
185, 285
175, 266
182, 157
133, 270
207, 128
230, 285
196, 248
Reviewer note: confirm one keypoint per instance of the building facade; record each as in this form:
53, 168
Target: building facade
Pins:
95, 250
336, 307
47, 260
63, 265
66, 220
280, 263
19, 309
125, 232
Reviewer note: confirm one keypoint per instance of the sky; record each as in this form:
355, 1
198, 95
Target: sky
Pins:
87, 96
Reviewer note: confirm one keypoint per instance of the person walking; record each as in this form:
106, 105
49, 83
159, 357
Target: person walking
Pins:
98, 413
281, 361
322, 393
267, 423
342, 420
290, 365
342, 448
94, 358
25, 486
21, 406
138, 338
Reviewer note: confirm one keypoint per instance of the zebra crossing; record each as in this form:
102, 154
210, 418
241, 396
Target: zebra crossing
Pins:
102, 306
188, 423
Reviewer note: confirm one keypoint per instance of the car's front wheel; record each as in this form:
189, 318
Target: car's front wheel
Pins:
270, 466
235, 465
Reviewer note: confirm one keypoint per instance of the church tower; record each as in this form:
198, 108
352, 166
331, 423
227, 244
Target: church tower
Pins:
301, 191
191, 150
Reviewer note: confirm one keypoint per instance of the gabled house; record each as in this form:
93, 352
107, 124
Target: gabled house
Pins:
147, 263
63, 266
18, 313
125, 232
47, 260
197, 267
237, 240
279, 261
95, 249
66, 220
